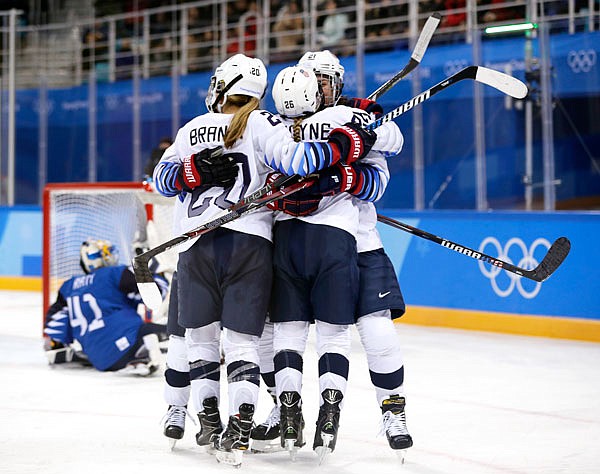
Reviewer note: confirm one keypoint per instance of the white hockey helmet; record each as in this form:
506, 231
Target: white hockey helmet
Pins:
95, 253
296, 92
238, 75
325, 63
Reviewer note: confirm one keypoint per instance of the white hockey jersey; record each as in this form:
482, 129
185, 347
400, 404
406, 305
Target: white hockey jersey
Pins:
341, 210
265, 145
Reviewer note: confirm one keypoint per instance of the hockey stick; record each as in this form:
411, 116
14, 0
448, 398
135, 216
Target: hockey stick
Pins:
282, 186
415, 59
557, 252
498, 80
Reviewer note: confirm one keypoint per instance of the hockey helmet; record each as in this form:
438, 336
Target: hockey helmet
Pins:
238, 75
96, 253
325, 63
296, 92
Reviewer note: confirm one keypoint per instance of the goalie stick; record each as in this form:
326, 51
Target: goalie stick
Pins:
498, 80
282, 186
415, 59
556, 254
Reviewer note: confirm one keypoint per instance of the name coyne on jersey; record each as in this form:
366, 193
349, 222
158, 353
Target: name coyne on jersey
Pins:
319, 131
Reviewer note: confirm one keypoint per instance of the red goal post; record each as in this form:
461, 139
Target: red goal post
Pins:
123, 213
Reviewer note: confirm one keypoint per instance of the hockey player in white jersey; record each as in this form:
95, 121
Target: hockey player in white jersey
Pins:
224, 277
379, 296
98, 309
315, 260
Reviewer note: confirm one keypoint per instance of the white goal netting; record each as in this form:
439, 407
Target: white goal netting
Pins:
127, 214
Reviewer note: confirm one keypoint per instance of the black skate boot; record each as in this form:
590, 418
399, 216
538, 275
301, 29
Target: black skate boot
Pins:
394, 424
327, 423
292, 422
210, 423
265, 437
174, 423
232, 442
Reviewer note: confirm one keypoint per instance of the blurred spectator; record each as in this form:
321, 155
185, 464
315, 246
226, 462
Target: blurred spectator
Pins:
457, 17
384, 20
494, 14
95, 45
334, 27
156, 155
245, 29
290, 27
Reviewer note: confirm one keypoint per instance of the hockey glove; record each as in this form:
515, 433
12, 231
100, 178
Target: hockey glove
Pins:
336, 179
210, 167
351, 142
364, 104
300, 203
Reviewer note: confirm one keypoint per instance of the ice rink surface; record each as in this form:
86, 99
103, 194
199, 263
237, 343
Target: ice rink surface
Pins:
476, 403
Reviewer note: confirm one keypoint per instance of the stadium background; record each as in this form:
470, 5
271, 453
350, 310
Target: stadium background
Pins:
100, 123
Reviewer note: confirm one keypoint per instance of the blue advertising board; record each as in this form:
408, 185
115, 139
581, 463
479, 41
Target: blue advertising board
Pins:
432, 275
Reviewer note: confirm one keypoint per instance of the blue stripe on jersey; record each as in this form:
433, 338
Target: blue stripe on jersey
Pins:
165, 177
371, 184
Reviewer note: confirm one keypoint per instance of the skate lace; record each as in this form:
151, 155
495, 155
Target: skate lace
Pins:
273, 418
394, 424
176, 416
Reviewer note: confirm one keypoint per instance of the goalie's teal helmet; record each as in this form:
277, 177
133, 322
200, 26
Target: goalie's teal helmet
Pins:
97, 253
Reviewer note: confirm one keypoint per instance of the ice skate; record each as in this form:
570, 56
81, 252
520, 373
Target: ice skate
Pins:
292, 422
265, 437
327, 423
394, 424
174, 424
139, 367
210, 423
235, 440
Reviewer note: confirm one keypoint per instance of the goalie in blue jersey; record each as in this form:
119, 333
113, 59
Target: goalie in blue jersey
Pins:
98, 310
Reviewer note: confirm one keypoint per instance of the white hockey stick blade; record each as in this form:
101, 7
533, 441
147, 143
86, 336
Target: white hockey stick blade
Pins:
428, 29
503, 82
150, 295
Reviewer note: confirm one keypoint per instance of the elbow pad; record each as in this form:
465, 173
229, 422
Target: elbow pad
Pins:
389, 139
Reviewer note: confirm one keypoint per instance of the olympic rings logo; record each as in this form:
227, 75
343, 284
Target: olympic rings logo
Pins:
452, 67
527, 261
582, 60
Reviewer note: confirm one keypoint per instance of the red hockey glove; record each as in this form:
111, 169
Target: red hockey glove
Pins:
364, 104
210, 167
351, 142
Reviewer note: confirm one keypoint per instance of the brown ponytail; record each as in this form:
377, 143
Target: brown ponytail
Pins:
297, 130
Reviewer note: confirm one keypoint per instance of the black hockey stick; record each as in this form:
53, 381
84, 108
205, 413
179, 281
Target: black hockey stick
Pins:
557, 252
503, 82
415, 59
282, 186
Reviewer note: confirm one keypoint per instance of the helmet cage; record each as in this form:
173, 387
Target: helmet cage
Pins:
95, 254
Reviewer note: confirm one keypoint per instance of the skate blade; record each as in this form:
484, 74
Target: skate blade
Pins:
260, 446
172, 443
322, 452
290, 447
400, 454
232, 458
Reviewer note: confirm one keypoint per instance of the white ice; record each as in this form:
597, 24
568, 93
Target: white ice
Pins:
476, 403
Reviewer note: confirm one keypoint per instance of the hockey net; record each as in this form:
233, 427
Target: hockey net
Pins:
127, 214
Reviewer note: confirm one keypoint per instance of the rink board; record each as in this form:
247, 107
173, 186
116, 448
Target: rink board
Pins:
441, 287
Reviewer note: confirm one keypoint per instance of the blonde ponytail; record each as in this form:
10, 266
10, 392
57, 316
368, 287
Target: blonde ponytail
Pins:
240, 118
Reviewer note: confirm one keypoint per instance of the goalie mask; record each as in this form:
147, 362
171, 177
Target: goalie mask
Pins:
296, 92
95, 254
326, 65
238, 75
